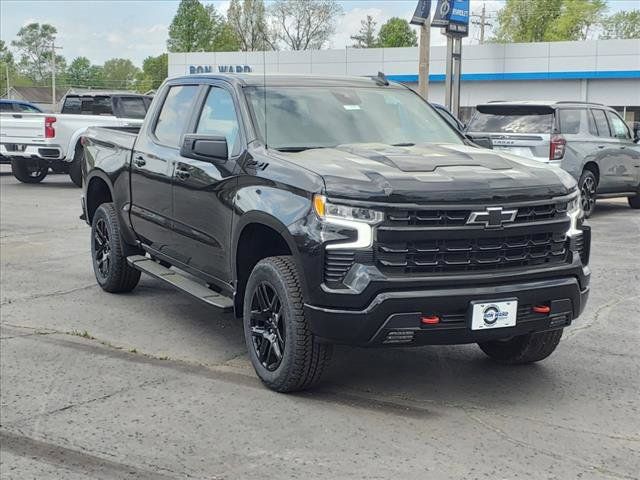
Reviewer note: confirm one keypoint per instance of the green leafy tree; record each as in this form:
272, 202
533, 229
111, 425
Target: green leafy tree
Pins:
34, 44
366, 36
154, 72
622, 25
80, 73
223, 37
304, 24
119, 73
191, 29
397, 32
577, 20
247, 20
548, 20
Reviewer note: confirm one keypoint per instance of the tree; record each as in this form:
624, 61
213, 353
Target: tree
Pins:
223, 38
119, 73
34, 44
576, 19
548, 20
154, 71
191, 29
305, 24
366, 36
622, 25
397, 32
247, 19
81, 73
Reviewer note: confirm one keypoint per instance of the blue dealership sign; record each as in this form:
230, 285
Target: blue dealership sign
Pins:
422, 13
459, 12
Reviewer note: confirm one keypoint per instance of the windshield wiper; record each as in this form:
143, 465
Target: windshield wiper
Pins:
296, 149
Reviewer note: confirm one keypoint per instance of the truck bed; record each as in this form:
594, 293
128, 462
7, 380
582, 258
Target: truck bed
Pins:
114, 137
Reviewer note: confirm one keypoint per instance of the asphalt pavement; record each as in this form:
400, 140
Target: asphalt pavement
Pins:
154, 385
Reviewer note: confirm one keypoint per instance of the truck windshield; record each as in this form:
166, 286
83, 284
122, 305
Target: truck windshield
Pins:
314, 117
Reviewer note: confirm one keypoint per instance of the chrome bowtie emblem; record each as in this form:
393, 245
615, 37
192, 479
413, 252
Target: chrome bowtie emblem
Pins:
492, 217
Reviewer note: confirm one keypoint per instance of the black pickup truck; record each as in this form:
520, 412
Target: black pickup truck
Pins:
330, 210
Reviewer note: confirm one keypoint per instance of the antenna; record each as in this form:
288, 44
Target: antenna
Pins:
264, 92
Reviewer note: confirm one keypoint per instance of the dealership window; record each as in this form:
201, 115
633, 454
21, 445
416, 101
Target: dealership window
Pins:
175, 114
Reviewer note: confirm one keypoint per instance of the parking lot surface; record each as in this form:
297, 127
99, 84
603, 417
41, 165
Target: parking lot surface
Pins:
154, 385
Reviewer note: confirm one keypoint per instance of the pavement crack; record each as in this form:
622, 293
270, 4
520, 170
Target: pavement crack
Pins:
48, 294
596, 316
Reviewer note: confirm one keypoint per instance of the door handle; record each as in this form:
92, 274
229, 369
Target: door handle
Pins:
600, 146
140, 161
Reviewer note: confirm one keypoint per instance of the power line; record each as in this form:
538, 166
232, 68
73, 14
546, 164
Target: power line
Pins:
481, 20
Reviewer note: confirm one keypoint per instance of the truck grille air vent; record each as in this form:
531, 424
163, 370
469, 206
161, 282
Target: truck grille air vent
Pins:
336, 265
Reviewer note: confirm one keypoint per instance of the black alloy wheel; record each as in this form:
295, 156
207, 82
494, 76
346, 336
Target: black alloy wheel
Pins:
267, 326
588, 186
102, 248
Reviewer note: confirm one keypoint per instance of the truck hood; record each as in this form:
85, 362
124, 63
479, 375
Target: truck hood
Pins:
430, 173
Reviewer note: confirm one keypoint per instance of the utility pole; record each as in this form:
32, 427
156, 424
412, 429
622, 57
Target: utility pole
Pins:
6, 69
54, 104
481, 21
423, 63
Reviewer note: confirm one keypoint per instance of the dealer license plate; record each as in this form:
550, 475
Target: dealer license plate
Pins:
490, 314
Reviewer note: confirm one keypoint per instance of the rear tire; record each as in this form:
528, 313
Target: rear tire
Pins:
109, 252
282, 349
588, 185
29, 170
634, 202
75, 167
522, 349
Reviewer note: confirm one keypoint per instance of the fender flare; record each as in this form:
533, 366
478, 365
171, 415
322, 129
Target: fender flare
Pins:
73, 143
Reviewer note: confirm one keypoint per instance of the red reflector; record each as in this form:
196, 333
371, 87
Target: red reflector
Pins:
430, 320
541, 309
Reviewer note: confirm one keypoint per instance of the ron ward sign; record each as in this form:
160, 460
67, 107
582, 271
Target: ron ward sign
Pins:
220, 69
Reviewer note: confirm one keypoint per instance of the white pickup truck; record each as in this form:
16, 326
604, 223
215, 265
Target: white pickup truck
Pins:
37, 142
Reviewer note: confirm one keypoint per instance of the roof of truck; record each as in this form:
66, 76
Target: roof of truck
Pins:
277, 79
545, 103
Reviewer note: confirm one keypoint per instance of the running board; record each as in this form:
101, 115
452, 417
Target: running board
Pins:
175, 279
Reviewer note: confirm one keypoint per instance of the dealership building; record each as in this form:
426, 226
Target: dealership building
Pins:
601, 71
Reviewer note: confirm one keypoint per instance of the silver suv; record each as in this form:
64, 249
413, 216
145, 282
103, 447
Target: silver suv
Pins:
588, 140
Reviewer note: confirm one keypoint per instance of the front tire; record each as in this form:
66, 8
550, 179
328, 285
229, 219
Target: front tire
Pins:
109, 252
522, 349
29, 170
283, 351
588, 185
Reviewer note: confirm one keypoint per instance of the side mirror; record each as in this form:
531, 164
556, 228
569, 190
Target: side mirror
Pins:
484, 142
208, 148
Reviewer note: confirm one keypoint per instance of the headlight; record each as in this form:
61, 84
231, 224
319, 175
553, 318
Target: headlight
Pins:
575, 213
356, 218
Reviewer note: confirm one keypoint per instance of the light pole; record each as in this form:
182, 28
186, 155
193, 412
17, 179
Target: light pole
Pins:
53, 75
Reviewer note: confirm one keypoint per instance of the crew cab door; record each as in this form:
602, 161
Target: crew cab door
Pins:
609, 156
153, 159
203, 189
628, 153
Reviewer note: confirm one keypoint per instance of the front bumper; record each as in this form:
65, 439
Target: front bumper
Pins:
394, 317
43, 152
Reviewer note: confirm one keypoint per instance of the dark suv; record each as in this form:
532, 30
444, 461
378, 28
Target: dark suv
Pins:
335, 210
590, 141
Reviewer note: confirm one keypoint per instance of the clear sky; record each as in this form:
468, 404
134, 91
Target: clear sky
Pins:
101, 30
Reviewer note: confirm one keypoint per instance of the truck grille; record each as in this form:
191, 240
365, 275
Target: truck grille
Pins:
416, 242
456, 217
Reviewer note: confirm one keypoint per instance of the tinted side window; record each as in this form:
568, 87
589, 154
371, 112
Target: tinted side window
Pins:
571, 120
618, 127
28, 109
133, 107
101, 106
6, 107
218, 117
72, 105
175, 114
601, 123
